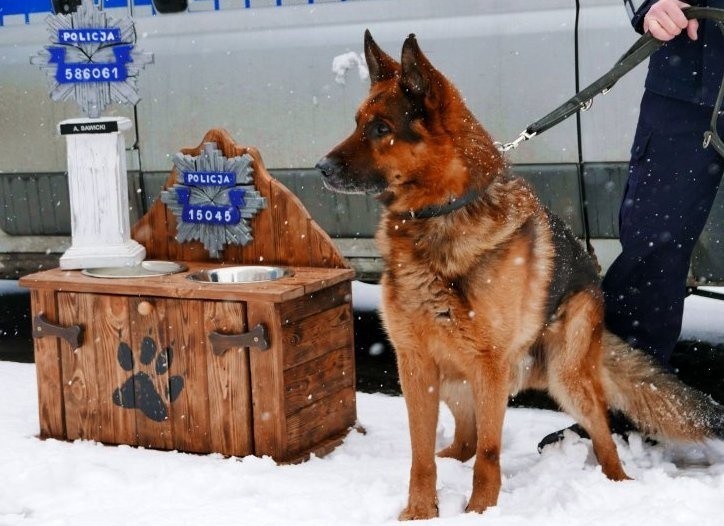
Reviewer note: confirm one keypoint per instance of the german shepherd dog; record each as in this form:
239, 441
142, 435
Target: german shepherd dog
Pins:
485, 292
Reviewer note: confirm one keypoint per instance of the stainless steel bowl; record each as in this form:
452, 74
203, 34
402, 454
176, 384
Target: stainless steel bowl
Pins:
145, 269
241, 274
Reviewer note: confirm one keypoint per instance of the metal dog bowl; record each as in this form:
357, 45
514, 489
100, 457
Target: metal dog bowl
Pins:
245, 274
145, 269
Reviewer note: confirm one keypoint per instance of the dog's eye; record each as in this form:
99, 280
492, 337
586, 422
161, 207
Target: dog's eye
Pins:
379, 129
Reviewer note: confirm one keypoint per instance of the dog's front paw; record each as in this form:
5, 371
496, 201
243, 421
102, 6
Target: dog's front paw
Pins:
419, 511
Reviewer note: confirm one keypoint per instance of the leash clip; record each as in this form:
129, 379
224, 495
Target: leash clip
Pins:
707, 139
524, 136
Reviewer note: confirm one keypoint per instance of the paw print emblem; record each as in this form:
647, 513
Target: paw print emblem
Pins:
139, 392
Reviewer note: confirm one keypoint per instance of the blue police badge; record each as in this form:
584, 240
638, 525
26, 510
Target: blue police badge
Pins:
213, 199
92, 59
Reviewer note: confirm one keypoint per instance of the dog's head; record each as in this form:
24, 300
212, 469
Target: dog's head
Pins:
415, 144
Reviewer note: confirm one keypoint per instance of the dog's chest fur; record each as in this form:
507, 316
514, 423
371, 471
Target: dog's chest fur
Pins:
450, 282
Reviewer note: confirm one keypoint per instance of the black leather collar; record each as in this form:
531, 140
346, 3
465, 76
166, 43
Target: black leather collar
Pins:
441, 210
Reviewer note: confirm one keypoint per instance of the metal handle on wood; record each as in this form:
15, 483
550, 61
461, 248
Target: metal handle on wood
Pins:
257, 337
73, 334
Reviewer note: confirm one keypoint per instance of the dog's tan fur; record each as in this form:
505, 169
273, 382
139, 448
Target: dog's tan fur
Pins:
467, 295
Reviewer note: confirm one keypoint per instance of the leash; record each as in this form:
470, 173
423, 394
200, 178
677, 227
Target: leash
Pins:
642, 49
711, 136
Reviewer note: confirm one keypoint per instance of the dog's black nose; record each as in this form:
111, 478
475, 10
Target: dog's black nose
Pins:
327, 166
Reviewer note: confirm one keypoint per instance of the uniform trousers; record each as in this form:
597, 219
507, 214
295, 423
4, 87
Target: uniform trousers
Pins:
672, 183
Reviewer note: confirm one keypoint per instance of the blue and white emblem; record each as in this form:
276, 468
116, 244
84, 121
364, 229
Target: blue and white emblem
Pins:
213, 199
92, 59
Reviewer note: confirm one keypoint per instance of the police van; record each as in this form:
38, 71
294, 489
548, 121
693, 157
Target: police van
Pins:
285, 76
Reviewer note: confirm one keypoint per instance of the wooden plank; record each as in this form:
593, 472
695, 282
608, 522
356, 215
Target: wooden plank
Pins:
48, 369
325, 418
316, 335
149, 345
178, 286
189, 409
174, 286
291, 227
80, 379
107, 332
319, 450
153, 230
229, 381
322, 250
311, 381
267, 384
262, 249
315, 279
314, 303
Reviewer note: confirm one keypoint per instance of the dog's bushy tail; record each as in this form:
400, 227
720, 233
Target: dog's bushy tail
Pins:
655, 400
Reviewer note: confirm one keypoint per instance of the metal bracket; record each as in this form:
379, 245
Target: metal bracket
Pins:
73, 334
257, 337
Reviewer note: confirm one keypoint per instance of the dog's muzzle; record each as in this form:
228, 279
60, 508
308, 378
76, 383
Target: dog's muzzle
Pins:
338, 177
332, 174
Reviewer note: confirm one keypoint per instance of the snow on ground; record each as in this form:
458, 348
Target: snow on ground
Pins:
363, 482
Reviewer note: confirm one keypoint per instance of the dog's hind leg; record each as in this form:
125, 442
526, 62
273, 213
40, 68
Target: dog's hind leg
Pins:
573, 354
458, 396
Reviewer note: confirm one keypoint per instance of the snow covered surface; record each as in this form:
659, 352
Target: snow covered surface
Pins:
363, 482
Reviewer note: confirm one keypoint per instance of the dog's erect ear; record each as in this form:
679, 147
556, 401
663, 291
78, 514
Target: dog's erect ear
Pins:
380, 64
419, 78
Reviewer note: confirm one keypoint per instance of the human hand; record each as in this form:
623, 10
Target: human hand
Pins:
665, 20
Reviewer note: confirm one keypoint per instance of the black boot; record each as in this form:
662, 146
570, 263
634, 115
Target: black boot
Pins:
617, 421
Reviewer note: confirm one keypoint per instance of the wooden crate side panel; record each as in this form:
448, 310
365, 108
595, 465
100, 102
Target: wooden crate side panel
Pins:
187, 397
311, 381
316, 335
267, 384
48, 369
149, 344
80, 378
229, 381
326, 418
316, 302
106, 331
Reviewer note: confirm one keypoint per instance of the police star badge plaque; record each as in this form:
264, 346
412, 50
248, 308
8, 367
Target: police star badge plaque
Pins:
213, 199
92, 59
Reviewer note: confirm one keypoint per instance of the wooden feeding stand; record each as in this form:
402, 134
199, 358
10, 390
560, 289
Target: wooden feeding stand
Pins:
167, 362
